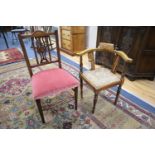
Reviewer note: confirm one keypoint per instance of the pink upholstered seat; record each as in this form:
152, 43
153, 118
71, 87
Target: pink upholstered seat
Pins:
52, 82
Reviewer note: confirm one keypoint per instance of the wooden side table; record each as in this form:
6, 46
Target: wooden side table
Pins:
15, 33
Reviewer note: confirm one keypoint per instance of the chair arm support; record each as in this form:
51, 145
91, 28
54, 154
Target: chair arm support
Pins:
124, 56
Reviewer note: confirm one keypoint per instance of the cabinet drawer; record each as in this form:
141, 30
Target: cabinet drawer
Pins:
74, 29
67, 44
66, 34
67, 27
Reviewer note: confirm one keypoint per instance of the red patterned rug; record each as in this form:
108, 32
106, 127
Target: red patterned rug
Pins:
10, 55
18, 109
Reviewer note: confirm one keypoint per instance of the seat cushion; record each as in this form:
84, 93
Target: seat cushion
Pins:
52, 82
100, 77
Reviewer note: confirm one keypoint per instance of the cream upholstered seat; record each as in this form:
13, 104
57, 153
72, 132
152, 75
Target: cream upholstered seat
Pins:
101, 77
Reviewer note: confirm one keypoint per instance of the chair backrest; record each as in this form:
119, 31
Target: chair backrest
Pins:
105, 47
42, 44
109, 47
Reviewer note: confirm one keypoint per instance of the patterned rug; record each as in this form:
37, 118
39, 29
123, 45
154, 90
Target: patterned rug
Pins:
18, 109
10, 55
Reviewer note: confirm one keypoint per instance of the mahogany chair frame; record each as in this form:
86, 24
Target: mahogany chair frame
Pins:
42, 46
103, 47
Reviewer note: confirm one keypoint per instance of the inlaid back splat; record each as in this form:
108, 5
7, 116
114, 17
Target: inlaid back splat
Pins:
42, 47
42, 44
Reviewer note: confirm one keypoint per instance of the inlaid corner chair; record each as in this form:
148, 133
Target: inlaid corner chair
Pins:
102, 78
50, 81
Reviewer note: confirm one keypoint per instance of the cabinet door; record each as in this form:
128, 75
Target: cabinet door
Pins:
130, 41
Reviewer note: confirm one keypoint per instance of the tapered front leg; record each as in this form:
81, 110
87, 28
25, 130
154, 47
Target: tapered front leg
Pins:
95, 101
76, 97
118, 92
81, 86
40, 110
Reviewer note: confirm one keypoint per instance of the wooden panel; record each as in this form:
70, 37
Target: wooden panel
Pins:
78, 42
147, 58
150, 42
147, 64
78, 29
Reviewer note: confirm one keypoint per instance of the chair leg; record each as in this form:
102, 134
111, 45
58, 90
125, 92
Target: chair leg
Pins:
118, 92
95, 101
81, 86
40, 110
76, 97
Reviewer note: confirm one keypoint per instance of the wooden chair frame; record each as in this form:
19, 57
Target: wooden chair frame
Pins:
103, 47
42, 46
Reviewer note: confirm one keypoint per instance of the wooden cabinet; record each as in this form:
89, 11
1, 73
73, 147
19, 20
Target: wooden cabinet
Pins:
139, 44
72, 39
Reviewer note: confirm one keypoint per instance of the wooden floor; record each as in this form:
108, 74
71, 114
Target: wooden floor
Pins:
143, 89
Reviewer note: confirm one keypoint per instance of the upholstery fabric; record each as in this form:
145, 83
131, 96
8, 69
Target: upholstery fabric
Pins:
52, 82
100, 77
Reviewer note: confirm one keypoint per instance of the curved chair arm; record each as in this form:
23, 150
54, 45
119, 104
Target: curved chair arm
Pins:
81, 53
124, 56
103, 48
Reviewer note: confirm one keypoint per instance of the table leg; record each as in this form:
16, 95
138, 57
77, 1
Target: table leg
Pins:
5, 40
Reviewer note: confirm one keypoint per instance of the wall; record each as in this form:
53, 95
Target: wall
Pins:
91, 36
